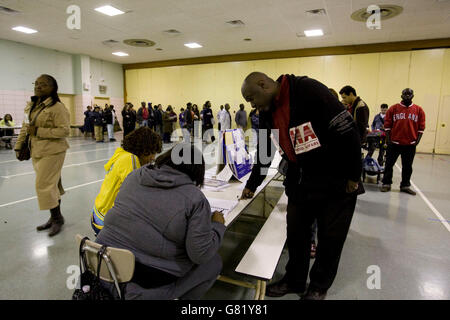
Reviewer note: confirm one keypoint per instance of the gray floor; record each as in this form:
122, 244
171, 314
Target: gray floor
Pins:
397, 232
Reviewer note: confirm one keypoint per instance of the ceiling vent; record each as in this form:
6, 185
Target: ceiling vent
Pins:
110, 43
387, 11
236, 23
6, 10
316, 13
172, 32
142, 43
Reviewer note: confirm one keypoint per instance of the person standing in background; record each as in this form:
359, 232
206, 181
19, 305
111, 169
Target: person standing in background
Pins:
151, 117
208, 119
98, 124
143, 115
47, 122
181, 119
189, 118
241, 118
219, 118
128, 124
88, 128
169, 119
197, 122
404, 124
358, 109
378, 128
158, 120
226, 118
109, 118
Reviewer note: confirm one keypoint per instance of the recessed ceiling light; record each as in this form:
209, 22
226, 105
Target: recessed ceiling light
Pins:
193, 45
24, 30
110, 11
314, 33
120, 54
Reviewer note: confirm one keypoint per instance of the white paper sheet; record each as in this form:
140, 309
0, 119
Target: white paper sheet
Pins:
225, 174
224, 206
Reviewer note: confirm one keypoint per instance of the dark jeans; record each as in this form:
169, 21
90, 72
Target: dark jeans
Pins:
407, 153
334, 214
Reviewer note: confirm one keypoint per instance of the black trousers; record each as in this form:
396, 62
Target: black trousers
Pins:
407, 153
334, 214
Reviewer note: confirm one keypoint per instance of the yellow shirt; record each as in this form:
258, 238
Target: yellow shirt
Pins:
9, 124
117, 169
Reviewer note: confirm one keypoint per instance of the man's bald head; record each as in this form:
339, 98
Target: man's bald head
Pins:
407, 96
259, 90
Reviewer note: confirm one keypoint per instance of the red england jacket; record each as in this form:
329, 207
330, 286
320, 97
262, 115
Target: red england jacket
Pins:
404, 123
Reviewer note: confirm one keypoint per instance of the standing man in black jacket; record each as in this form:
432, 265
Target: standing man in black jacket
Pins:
313, 127
358, 109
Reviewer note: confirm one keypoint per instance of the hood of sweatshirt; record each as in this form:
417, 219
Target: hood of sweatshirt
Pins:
165, 177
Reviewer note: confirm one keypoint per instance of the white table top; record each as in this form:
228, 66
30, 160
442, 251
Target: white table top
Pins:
234, 191
262, 257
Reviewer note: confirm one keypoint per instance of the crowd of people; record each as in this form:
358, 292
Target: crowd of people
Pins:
163, 122
99, 121
155, 208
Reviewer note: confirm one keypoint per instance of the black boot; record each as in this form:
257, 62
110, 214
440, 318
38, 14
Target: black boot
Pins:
57, 221
45, 226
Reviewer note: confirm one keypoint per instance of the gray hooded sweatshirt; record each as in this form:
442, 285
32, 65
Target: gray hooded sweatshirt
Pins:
164, 219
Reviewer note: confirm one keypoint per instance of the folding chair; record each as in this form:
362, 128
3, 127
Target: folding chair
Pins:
119, 266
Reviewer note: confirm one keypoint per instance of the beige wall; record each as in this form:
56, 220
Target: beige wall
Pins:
68, 100
377, 77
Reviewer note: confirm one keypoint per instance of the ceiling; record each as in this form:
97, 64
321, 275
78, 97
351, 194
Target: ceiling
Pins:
271, 24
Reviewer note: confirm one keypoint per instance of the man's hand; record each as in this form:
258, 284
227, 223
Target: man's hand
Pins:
352, 186
218, 217
31, 130
247, 194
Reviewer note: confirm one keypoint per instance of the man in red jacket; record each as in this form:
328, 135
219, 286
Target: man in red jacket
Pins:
404, 124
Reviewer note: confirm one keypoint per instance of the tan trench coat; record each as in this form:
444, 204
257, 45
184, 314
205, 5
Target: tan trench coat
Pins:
48, 149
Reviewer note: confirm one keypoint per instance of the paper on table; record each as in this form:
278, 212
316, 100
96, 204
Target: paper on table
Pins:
214, 184
225, 174
224, 206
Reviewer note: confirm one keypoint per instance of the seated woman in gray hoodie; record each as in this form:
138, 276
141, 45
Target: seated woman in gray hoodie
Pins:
161, 215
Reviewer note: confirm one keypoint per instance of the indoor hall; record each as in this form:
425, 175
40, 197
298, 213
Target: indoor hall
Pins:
194, 51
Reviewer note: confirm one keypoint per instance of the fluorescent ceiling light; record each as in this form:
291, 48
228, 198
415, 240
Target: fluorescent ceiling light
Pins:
24, 30
121, 54
193, 45
313, 33
110, 11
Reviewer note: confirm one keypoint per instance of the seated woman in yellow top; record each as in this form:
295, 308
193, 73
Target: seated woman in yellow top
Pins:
138, 148
7, 122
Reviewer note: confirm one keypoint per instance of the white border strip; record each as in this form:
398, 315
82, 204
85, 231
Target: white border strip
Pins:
430, 205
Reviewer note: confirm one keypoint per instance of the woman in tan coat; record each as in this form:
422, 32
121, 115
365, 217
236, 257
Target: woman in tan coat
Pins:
47, 123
